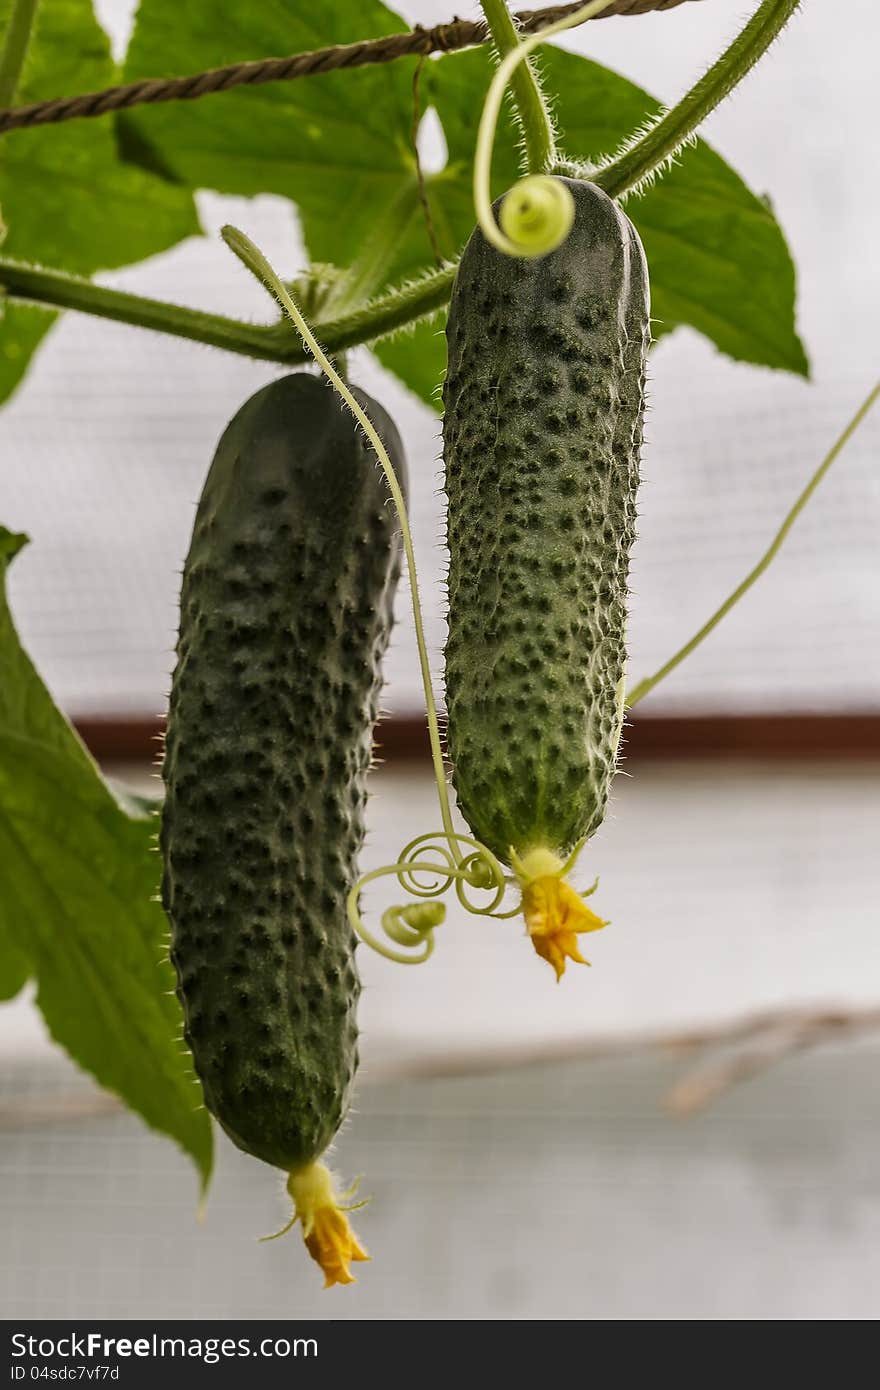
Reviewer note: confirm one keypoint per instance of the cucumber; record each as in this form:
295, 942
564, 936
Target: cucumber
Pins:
285, 613
544, 399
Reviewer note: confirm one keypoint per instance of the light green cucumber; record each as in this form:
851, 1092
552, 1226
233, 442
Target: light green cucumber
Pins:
544, 399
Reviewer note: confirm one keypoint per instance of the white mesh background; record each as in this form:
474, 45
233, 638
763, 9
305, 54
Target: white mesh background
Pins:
548, 1192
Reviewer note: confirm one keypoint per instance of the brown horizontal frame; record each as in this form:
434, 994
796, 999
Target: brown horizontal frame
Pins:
766, 737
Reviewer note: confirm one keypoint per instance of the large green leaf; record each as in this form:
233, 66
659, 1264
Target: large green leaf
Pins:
78, 878
717, 256
66, 197
340, 147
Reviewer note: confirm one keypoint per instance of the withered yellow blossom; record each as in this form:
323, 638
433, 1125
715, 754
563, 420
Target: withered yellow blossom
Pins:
323, 1215
556, 915
326, 1231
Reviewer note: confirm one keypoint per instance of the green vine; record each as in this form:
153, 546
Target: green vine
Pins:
15, 46
537, 213
269, 343
539, 144
645, 686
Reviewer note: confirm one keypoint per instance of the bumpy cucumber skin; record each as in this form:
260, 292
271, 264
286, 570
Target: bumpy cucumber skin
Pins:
286, 610
544, 399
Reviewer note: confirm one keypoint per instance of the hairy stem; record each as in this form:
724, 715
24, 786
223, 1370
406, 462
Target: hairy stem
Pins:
15, 45
639, 691
270, 342
651, 149
534, 118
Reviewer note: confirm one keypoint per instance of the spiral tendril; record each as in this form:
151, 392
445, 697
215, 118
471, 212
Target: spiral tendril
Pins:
539, 209
428, 867
537, 214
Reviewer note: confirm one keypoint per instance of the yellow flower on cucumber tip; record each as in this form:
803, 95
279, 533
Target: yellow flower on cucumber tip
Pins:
556, 915
323, 1215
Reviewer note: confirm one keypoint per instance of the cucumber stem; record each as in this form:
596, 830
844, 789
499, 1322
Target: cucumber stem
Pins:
13, 53
539, 145
643, 687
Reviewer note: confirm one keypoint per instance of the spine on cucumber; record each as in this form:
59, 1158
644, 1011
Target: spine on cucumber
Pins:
286, 610
544, 398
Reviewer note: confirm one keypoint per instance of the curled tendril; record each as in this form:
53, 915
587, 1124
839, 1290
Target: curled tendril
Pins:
413, 863
537, 214
545, 221
427, 868
410, 927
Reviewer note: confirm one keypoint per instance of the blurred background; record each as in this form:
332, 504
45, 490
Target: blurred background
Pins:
512, 1132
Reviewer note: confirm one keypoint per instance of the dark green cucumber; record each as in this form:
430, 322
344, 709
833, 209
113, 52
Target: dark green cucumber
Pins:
286, 609
544, 399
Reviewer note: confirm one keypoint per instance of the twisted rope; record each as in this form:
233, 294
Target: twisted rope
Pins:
442, 38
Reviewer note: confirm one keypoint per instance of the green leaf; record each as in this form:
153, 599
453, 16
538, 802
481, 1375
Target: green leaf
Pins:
66, 197
79, 877
338, 143
22, 329
717, 256
340, 146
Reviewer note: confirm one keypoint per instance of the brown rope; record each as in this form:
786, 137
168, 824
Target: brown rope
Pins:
443, 38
